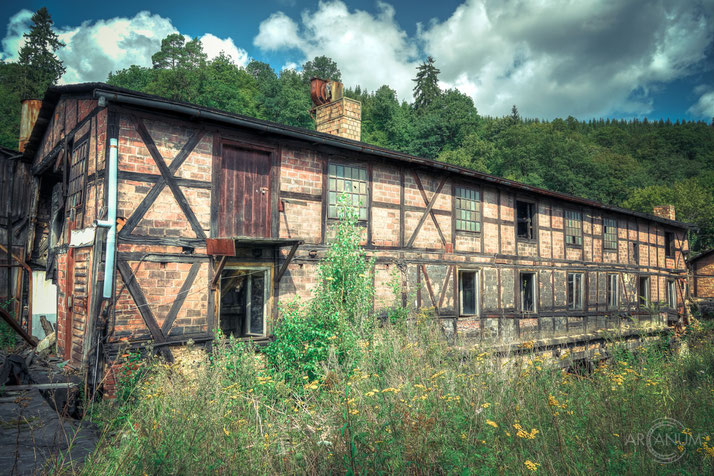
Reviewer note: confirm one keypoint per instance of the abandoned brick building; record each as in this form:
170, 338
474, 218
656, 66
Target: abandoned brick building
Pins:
160, 221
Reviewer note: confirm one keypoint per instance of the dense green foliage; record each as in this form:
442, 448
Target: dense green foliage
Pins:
339, 313
402, 401
635, 164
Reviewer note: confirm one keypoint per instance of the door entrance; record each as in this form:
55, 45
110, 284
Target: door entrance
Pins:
244, 297
244, 191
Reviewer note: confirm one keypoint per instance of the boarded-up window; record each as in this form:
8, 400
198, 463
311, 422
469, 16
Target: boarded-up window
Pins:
350, 181
575, 291
77, 174
609, 228
573, 228
468, 209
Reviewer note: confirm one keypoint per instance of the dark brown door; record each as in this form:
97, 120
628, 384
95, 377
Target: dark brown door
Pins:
244, 208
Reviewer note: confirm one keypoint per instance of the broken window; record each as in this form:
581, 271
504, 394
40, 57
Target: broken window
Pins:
525, 216
244, 294
613, 292
528, 292
671, 294
644, 291
468, 293
347, 180
635, 253
77, 174
669, 244
575, 291
609, 229
468, 209
573, 228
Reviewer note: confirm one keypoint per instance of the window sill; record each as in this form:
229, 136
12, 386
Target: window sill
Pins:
521, 239
467, 232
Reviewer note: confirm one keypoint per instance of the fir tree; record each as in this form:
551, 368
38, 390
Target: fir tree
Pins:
427, 84
40, 67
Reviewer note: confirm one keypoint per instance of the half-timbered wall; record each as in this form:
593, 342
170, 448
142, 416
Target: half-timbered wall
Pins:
413, 234
170, 198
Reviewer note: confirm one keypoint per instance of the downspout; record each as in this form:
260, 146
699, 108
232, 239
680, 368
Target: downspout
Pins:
111, 221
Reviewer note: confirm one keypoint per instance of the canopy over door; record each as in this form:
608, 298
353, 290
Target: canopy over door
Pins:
244, 206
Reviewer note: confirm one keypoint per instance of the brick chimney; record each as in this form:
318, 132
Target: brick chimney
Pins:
334, 113
28, 117
664, 211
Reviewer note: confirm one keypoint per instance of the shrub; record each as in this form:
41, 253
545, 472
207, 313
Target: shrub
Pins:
339, 314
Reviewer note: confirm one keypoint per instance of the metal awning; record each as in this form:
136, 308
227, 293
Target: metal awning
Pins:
226, 247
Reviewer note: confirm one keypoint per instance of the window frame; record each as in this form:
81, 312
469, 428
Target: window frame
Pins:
331, 208
478, 211
579, 236
669, 244
267, 298
635, 253
521, 297
646, 296
477, 292
578, 291
77, 174
532, 224
605, 241
672, 294
612, 291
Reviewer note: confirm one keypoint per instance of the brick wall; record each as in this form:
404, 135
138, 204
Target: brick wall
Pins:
341, 118
703, 269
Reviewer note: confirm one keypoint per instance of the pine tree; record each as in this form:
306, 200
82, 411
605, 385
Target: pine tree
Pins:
40, 67
515, 115
427, 84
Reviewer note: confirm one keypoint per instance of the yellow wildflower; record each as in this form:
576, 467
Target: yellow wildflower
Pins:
492, 423
531, 465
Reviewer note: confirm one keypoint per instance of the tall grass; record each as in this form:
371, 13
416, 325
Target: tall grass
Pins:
411, 405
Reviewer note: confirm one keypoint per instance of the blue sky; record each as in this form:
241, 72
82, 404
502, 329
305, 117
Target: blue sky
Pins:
552, 58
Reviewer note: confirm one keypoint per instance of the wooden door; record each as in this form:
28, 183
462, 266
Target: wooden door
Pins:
244, 191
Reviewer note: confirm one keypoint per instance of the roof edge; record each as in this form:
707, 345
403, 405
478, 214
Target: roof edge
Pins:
114, 93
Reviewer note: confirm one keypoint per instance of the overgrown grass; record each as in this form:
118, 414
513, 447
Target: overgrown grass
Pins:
335, 393
412, 405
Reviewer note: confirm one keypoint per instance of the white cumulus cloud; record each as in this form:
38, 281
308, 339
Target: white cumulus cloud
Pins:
370, 50
19, 23
213, 46
704, 107
550, 58
94, 48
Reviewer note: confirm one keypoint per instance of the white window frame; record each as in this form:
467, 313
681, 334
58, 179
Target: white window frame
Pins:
267, 276
671, 294
577, 302
613, 291
477, 294
647, 291
534, 291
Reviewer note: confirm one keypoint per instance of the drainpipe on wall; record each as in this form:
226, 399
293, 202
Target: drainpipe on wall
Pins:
111, 221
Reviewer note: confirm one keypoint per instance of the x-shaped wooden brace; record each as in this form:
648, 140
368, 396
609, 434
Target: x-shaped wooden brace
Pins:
428, 211
157, 333
167, 178
437, 306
